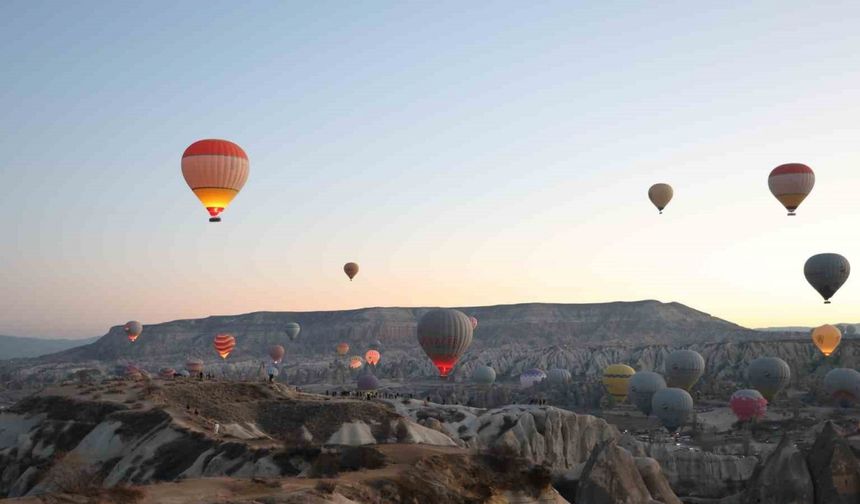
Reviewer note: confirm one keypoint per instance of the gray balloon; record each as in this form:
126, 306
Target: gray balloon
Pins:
769, 375
684, 368
444, 334
826, 273
843, 385
673, 406
558, 376
293, 329
642, 387
484, 375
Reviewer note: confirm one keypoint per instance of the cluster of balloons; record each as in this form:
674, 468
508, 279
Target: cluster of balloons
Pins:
790, 183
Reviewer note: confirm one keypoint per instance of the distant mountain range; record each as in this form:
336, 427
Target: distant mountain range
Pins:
797, 328
14, 347
527, 325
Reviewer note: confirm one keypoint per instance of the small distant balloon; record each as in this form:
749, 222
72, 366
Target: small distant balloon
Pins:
372, 357
132, 329
355, 362
484, 375
748, 405
474, 322
826, 338
531, 377
224, 344
616, 378
769, 375
660, 195
194, 366
342, 348
672, 406
826, 273
791, 183
351, 269
444, 334
276, 352
684, 368
292, 329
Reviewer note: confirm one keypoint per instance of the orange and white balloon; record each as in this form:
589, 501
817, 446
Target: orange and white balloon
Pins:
791, 183
215, 170
224, 344
372, 357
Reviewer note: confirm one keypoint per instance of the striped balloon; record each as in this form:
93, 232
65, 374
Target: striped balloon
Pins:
791, 183
224, 344
166, 373
372, 357
215, 170
194, 366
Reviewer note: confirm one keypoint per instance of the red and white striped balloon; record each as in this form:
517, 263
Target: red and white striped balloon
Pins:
216, 170
224, 344
791, 183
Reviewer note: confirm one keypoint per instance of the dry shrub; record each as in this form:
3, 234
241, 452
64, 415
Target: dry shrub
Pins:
71, 474
123, 494
326, 486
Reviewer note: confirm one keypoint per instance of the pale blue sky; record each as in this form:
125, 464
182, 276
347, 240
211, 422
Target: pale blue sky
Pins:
463, 153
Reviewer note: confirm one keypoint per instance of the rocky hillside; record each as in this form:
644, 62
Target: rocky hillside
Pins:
642, 322
121, 441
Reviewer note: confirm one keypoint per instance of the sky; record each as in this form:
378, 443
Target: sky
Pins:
463, 153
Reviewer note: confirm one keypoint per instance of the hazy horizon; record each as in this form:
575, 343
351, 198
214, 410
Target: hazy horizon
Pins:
462, 154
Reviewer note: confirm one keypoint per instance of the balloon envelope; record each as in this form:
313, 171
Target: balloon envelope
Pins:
843, 385
194, 366
791, 183
132, 329
367, 381
372, 357
276, 352
748, 405
355, 362
484, 375
558, 376
642, 387
272, 370
444, 334
166, 372
215, 170
826, 338
616, 378
474, 322
531, 377
224, 344
292, 329
826, 273
673, 406
769, 375
342, 348
684, 368
351, 269
660, 195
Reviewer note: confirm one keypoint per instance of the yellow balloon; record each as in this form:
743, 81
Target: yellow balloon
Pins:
616, 378
826, 338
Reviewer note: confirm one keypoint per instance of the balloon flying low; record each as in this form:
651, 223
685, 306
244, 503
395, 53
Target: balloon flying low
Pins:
826, 338
372, 357
342, 348
224, 344
215, 170
444, 334
132, 329
276, 352
616, 378
293, 329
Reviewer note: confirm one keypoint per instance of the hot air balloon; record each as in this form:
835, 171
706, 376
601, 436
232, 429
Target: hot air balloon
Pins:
367, 382
194, 366
224, 344
642, 387
484, 375
184, 373
684, 368
791, 183
272, 370
615, 380
342, 348
292, 329
351, 269
826, 273
558, 376
843, 385
826, 338
444, 334
215, 170
355, 362
276, 352
673, 406
372, 357
769, 375
748, 405
474, 322
166, 373
132, 329
531, 377
660, 195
